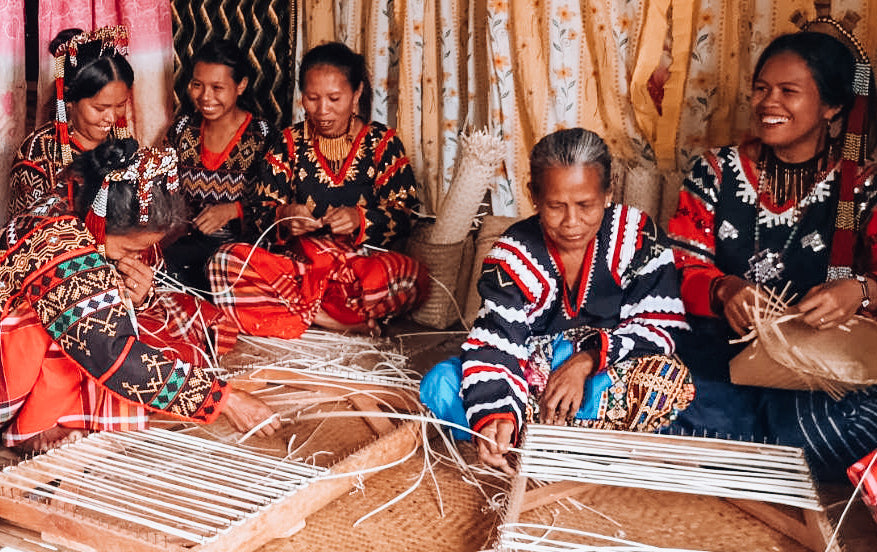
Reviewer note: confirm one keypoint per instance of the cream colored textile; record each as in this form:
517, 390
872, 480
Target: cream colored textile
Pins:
524, 68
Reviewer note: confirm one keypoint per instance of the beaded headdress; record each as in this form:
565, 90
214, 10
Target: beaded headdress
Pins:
111, 39
150, 167
856, 139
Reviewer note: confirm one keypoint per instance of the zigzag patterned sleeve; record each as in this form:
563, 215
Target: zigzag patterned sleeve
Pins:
692, 235
395, 193
495, 353
651, 309
273, 187
76, 295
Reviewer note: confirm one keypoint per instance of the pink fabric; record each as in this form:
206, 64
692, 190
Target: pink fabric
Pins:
150, 31
12, 91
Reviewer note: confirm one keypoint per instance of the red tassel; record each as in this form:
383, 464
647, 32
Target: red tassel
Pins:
97, 226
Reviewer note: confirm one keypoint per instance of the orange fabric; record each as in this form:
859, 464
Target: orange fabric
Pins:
212, 160
278, 295
41, 387
273, 295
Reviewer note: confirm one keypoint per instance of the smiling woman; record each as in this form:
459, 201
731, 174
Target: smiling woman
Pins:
791, 209
220, 140
94, 83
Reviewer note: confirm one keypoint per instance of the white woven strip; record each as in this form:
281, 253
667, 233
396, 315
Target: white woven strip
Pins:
712, 467
171, 483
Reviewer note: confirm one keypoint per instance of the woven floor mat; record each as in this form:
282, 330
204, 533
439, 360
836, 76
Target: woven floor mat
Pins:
414, 523
662, 519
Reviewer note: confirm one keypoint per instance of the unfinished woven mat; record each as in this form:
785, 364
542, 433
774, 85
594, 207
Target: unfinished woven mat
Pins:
786, 353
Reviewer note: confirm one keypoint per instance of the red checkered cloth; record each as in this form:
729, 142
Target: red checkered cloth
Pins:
187, 325
277, 295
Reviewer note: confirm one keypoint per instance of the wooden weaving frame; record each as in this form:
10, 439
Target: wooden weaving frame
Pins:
810, 528
391, 443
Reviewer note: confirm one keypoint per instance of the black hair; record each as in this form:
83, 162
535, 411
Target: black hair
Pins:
222, 51
831, 64
569, 148
95, 67
166, 210
351, 65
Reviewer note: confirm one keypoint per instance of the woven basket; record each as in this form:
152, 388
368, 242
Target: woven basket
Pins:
449, 266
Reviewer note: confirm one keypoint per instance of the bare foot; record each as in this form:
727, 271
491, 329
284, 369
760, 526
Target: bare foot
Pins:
370, 327
52, 438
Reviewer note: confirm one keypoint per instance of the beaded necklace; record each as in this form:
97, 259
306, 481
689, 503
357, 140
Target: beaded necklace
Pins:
765, 265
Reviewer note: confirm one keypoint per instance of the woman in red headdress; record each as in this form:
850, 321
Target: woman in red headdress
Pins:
85, 341
93, 83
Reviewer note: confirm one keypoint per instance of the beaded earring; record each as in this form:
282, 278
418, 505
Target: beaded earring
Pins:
855, 139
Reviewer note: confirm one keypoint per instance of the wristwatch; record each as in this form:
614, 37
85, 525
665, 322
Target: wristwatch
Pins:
866, 298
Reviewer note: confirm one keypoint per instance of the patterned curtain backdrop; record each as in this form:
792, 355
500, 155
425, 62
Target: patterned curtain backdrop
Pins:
12, 90
261, 28
150, 54
660, 80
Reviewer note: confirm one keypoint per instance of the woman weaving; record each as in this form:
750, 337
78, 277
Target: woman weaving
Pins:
220, 143
80, 349
579, 306
782, 210
342, 191
93, 84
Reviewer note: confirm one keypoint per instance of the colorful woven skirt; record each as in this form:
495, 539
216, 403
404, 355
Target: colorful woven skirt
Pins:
270, 294
41, 387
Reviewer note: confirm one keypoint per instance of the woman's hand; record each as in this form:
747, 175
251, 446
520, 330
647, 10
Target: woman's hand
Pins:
738, 297
214, 217
494, 453
137, 277
562, 397
830, 304
245, 412
342, 220
299, 219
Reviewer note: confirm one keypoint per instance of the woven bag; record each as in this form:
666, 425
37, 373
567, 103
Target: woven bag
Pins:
789, 354
449, 266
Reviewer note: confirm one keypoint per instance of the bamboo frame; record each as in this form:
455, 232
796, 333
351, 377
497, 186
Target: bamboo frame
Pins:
68, 524
735, 471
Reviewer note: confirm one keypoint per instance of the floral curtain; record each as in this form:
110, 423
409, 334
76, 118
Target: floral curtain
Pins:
12, 89
660, 80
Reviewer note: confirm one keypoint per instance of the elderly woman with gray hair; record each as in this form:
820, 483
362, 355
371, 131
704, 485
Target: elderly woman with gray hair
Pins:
579, 306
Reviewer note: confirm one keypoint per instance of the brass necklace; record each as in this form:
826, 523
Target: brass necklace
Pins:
335, 148
787, 183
